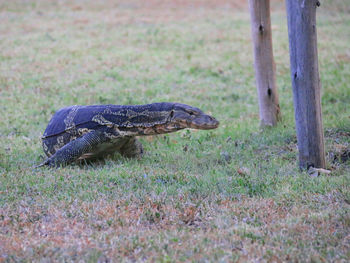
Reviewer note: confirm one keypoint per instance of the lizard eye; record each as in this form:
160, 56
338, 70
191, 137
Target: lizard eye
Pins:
171, 114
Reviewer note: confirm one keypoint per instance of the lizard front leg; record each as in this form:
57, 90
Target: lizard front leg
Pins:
74, 149
131, 149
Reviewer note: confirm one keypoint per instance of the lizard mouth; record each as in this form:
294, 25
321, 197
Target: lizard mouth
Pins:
204, 122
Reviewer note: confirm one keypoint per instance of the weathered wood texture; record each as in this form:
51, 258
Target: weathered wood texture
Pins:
264, 62
305, 81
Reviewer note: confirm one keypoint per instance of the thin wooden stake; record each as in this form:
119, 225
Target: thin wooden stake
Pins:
269, 108
305, 81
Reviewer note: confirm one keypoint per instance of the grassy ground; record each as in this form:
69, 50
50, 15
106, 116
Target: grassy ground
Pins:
232, 194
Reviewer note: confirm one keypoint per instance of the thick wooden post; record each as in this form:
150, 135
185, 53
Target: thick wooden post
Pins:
264, 63
306, 82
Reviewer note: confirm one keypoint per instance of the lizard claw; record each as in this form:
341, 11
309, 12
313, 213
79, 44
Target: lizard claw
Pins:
47, 162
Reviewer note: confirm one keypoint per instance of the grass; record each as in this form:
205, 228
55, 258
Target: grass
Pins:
232, 194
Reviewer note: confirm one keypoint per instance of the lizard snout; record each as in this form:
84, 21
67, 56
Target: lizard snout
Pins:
204, 122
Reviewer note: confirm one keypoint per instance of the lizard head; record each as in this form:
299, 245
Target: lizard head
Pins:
184, 116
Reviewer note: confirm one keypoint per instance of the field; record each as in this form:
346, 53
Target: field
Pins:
234, 194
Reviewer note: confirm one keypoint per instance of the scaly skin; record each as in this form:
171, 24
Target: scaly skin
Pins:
88, 132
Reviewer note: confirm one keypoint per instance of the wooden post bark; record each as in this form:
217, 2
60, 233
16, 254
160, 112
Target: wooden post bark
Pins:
264, 64
305, 81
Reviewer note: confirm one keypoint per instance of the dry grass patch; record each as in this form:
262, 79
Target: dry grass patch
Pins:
317, 228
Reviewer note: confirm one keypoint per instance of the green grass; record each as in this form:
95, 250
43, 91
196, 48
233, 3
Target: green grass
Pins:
231, 194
